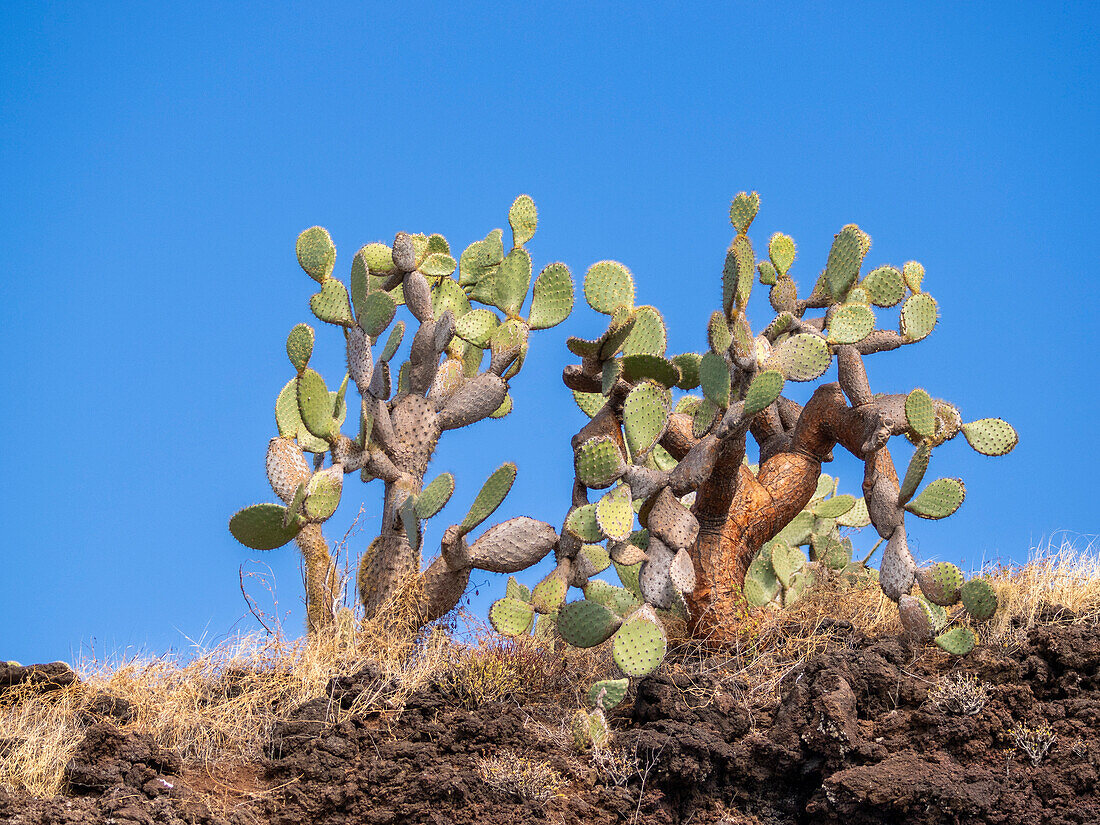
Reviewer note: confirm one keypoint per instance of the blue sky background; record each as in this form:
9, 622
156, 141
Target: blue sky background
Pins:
157, 165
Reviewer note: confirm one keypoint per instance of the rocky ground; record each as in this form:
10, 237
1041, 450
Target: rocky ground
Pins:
859, 734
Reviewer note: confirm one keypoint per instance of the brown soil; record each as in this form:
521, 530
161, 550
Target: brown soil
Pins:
853, 739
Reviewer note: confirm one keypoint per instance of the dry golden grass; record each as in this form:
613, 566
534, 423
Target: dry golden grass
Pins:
217, 708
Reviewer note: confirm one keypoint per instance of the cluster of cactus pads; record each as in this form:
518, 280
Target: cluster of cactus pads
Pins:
445, 383
662, 487
715, 531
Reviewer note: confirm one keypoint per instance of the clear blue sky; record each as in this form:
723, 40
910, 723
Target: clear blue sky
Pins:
157, 165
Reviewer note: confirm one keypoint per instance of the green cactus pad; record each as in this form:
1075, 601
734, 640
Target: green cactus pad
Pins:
490, 496
618, 330
743, 209
856, 517
511, 617
315, 405
798, 530
316, 253
991, 436
299, 346
936, 614
719, 337
477, 326
504, 408
688, 364
610, 374
615, 514
598, 463
958, 641
584, 347
714, 378
509, 337
517, 590
331, 303
589, 402
939, 499
377, 257
914, 473
737, 274
437, 265
940, 583
435, 496
768, 275
551, 297
786, 561
765, 388
448, 295
595, 557
393, 342
781, 250
323, 493
979, 598
294, 508
920, 411
609, 285
287, 417
642, 366
549, 594
801, 357
858, 295
834, 507
645, 416
512, 281
629, 576
581, 522
884, 286
262, 526
826, 486
918, 316
761, 583
608, 693
851, 323
587, 624
403, 379
596, 729
375, 313
639, 646
648, 336
704, 418
913, 273
523, 217
845, 259
618, 599
437, 243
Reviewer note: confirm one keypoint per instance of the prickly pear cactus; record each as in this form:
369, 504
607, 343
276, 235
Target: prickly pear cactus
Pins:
675, 465
459, 362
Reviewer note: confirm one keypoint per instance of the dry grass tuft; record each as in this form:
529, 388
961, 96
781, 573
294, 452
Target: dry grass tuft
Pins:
530, 780
1059, 577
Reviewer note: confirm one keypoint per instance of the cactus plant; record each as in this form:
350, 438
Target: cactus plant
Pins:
719, 531
443, 385
714, 531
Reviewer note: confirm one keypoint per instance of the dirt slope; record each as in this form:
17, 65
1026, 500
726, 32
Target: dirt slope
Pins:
854, 738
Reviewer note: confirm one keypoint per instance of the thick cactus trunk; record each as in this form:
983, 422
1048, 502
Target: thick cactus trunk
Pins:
738, 511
